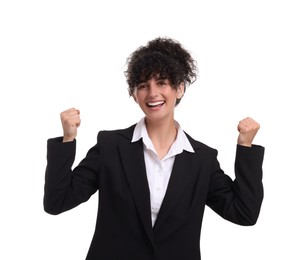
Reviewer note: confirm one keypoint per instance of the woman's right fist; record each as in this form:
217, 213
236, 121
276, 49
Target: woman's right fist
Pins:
70, 120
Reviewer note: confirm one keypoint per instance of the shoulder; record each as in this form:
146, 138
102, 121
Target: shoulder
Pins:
125, 133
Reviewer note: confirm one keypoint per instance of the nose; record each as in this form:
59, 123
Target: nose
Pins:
153, 89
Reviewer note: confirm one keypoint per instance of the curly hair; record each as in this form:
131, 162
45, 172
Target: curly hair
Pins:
164, 58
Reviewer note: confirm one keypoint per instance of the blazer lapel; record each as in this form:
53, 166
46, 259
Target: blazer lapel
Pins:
134, 166
181, 176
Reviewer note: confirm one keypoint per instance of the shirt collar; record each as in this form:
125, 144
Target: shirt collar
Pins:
181, 142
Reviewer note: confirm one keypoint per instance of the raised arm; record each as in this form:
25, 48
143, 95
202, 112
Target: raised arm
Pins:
66, 188
240, 200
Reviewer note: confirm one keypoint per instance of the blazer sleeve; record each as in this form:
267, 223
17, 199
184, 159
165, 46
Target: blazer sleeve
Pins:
238, 201
65, 188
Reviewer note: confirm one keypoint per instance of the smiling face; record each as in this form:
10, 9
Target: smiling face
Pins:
157, 98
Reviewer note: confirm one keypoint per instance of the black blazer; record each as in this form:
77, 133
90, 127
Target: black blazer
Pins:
116, 168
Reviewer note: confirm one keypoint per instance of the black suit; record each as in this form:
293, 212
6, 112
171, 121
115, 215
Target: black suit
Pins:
116, 168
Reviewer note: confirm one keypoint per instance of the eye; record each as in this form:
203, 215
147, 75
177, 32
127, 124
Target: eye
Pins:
141, 86
162, 82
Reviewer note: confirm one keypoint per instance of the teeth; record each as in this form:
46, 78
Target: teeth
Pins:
155, 103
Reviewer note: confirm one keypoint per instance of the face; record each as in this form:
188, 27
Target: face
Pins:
157, 98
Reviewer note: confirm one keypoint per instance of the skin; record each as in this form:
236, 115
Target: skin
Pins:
157, 99
70, 120
247, 130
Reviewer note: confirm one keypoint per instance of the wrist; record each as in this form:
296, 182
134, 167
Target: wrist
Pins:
66, 139
244, 144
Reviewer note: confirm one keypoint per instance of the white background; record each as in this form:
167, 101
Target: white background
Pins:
60, 54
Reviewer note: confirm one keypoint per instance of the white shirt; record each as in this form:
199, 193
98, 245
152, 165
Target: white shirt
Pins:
158, 171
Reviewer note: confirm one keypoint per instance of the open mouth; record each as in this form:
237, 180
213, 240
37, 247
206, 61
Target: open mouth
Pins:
156, 104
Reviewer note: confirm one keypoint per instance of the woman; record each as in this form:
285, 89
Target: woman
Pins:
153, 179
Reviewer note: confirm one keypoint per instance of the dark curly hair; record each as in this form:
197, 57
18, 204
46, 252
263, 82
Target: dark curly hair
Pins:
164, 58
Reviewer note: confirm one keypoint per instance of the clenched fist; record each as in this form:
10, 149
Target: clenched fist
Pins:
247, 130
70, 120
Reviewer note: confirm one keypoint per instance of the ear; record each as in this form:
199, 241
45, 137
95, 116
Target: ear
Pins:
135, 97
180, 91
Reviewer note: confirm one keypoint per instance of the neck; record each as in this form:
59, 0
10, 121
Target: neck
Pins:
162, 135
